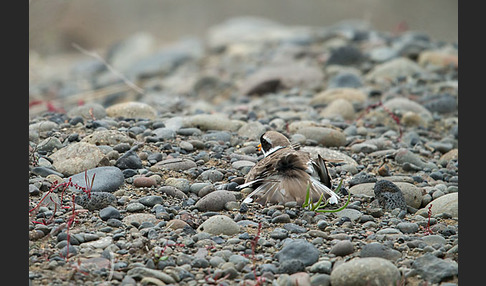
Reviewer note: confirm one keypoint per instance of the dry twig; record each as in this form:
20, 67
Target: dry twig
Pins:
112, 69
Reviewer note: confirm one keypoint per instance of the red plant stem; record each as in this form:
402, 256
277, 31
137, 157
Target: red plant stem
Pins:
253, 259
65, 186
69, 223
429, 213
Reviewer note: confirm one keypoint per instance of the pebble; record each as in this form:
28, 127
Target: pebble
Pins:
252, 130
294, 228
45, 172
362, 178
219, 224
437, 58
176, 224
287, 75
323, 266
408, 227
352, 214
350, 94
129, 160
339, 109
131, 109
389, 195
404, 156
215, 201
43, 126
211, 122
109, 213
357, 272
139, 218
139, 273
283, 218
448, 203
404, 105
77, 157
218, 136
342, 248
107, 137
279, 233
390, 70
106, 179
150, 201
376, 249
327, 137
345, 79
135, 207
88, 111
49, 144
434, 239
299, 249
172, 191
101, 243
95, 201
176, 164
179, 183
211, 175
291, 266
144, 182
162, 134
434, 269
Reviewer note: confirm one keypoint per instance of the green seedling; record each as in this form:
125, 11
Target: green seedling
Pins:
321, 203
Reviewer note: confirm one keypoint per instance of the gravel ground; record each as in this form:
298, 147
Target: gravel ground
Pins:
138, 183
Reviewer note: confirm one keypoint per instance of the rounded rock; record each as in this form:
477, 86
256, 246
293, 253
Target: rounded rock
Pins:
95, 201
109, 212
103, 179
342, 248
144, 182
131, 110
219, 224
77, 157
408, 227
445, 204
339, 108
150, 201
215, 201
299, 249
376, 249
372, 271
211, 175
326, 136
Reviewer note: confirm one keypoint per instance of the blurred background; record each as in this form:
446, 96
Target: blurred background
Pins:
94, 24
69, 40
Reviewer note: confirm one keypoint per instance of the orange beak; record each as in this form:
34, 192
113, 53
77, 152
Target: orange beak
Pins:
259, 147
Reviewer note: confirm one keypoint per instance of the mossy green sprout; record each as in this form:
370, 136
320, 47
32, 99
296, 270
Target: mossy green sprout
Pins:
321, 204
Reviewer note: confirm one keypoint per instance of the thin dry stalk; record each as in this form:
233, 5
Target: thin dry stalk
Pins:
112, 69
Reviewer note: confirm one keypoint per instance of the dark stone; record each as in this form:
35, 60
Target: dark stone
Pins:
299, 249
95, 201
389, 195
110, 213
345, 55
291, 266
129, 160
107, 179
434, 269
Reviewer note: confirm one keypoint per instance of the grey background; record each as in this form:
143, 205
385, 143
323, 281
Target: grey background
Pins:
95, 24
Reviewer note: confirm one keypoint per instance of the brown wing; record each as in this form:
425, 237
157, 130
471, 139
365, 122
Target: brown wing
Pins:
282, 177
270, 164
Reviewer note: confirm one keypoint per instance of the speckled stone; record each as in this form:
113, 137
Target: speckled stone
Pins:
97, 201
389, 195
